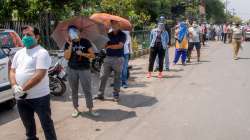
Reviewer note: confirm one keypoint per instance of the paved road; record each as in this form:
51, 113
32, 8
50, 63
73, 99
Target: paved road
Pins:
208, 101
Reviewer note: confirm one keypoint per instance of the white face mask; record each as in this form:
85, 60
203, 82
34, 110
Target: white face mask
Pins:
73, 34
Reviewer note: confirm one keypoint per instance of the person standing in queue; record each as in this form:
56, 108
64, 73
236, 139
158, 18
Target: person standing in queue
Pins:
194, 41
78, 52
159, 39
113, 61
127, 52
181, 44
30, 84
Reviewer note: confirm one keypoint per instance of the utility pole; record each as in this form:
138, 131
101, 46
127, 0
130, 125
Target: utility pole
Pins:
234, 13
226, 6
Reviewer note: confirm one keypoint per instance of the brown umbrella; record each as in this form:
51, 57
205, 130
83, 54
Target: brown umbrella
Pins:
89, 29
105, 19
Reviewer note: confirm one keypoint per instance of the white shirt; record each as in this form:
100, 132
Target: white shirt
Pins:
195, 31
26, 62
128, 43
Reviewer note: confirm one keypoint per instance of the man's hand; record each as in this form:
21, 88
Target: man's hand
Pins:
67, 53
35, 79
115, 46
18, 92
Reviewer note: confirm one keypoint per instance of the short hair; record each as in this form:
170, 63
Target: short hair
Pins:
72, 27
35, 29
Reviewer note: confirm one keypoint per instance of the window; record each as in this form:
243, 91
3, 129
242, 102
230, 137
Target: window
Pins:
10, 40
2, 54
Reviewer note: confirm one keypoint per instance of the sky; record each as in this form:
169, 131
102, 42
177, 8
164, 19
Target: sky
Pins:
242, 8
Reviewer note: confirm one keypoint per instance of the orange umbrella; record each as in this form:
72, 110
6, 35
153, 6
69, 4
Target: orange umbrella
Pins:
88, 28
105, 19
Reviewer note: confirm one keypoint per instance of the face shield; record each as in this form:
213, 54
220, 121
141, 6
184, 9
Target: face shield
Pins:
73, 34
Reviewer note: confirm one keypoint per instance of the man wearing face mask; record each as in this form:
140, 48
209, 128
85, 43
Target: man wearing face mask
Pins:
30, 84
113, 61
194, 41
159, 43
79, 52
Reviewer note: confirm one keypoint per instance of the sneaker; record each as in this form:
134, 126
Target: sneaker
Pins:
236, 58
125, 86
116, 97
99, 97
149, 75
112, 85
160, 75
167, 69
75, 114
93, 113
156, 69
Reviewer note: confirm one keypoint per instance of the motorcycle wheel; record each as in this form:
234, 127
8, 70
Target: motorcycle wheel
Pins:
96, 65
57, 87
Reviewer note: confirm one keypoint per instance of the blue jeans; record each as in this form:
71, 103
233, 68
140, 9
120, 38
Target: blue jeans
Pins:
180, 53
41, 106
124, 75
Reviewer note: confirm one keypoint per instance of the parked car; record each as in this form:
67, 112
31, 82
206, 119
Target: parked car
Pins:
247, 33
10, 42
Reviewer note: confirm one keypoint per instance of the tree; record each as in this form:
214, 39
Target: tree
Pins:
215, 10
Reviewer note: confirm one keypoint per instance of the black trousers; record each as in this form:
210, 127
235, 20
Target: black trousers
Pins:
41, 106
154, 51
225, 37
204, 39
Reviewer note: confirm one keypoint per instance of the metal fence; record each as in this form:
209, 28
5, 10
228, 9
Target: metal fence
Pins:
140, 38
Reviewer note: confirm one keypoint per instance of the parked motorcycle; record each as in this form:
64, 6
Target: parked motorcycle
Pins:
99, 60
57, 78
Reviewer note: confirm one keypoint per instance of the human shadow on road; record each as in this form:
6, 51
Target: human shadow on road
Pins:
138, 84
243, 58
111, 115
169, 76
176, 70
137, 100
7, 116
205, 61
135, 68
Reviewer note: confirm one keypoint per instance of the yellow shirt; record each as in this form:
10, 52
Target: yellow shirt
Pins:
183, 44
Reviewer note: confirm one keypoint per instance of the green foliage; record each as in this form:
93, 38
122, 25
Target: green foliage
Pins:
215, 11
141, 13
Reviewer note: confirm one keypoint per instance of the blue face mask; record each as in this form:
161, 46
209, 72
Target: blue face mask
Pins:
29, 41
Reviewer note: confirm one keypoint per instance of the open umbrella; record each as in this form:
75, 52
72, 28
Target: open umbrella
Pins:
106, 18
89, 29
